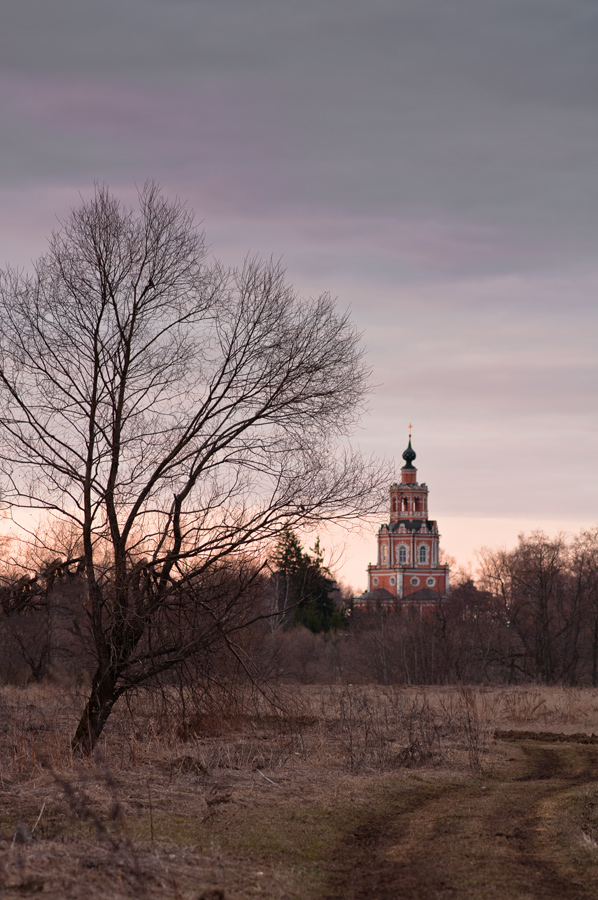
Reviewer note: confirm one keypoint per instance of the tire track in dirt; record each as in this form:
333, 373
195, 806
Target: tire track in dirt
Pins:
474, 841
372, 874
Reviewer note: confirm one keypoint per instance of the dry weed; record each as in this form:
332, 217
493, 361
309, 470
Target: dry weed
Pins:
154, 792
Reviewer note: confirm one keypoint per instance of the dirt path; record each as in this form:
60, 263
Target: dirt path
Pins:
497, 838
527, 830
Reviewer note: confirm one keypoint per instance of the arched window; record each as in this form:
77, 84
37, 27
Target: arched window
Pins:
423, 554
415, 505
404, 505
402, 555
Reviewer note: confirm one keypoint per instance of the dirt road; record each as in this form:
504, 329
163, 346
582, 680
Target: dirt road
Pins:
519, 833
526, 828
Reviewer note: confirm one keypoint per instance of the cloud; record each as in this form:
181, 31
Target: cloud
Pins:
432, 163
479, 115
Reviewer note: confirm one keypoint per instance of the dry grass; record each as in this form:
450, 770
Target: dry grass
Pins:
253, 803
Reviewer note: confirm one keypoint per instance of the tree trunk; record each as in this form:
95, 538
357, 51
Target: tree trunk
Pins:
101, 700
595, 654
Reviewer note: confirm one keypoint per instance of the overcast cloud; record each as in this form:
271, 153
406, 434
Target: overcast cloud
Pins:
433, 163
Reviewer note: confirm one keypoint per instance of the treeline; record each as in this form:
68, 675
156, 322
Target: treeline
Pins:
212, 624
531, 615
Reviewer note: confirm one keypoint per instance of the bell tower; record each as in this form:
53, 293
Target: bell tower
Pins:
408, 567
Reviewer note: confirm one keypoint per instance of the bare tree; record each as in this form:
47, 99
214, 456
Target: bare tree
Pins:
176, 413
540, 604
584, 566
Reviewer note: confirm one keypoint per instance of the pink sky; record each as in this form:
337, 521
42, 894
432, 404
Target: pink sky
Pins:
431, 165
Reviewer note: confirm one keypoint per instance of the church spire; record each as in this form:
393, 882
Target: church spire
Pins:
409, 455
409, 472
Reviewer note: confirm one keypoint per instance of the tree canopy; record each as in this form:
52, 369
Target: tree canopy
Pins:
176, 413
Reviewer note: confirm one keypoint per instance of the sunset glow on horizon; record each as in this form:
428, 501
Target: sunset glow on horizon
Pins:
432, 166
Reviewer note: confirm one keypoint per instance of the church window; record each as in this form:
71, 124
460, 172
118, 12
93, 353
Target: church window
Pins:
404, 505
431, 582
375, 580
392, 579
415, 582
402, 554
423, 555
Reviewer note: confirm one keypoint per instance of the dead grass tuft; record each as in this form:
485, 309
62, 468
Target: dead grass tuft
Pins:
161, 812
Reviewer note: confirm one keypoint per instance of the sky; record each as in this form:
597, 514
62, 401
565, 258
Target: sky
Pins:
431, 163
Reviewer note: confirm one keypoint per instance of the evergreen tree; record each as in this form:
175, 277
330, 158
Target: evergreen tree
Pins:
305, 589
289, 560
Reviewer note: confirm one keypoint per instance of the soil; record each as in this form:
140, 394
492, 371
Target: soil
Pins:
491, 839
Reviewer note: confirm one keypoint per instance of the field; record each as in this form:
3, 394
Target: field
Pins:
341, 792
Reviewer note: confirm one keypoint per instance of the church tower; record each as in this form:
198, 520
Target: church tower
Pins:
407, 568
